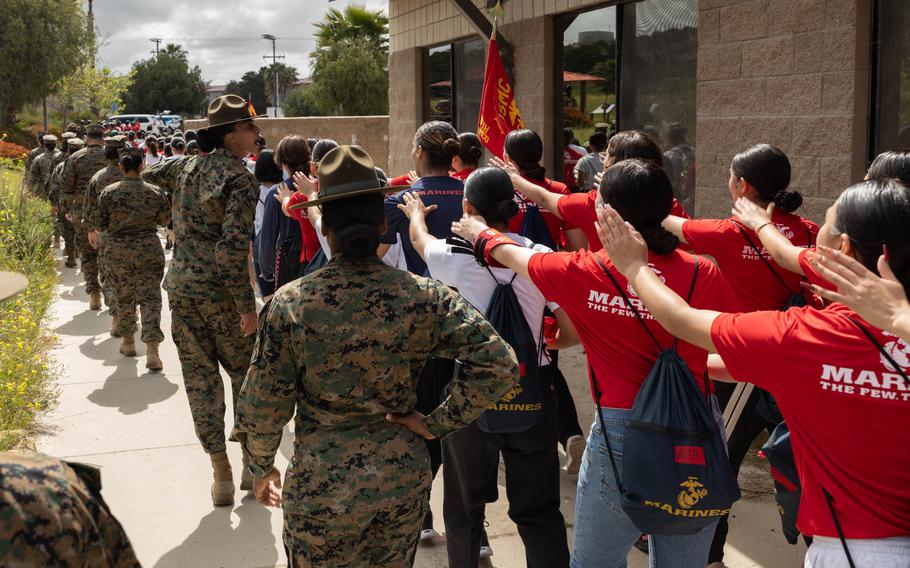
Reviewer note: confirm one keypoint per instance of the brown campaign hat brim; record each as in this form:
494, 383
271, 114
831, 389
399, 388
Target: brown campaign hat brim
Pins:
11, 283
382, 190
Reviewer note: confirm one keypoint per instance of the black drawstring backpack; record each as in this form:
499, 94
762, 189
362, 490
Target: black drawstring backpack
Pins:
676, 476
318, 261
534, 227
522, 406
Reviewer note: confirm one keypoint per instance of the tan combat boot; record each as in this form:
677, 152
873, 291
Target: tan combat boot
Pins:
128, 347
152, 360
70, 259
246, 478
94, 302
223, 485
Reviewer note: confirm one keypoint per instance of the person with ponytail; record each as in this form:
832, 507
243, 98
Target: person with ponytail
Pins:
327, 355
578, 210
152, 156
590, 289
531, 459
761, 175
840, 381
468, 157
800, 260
435, 144
128, 214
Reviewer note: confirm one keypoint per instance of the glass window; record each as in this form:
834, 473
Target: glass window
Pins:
470, 59
438, 89
891, 112
657, 82
588, 84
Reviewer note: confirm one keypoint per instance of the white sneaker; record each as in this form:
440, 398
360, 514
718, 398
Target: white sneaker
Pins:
485, 552
575, 449
428, 534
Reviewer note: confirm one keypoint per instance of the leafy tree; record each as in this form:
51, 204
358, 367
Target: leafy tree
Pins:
350, 64
166, 82
96, 89
287, 76
299, 102
252, 87
40, 43
355, 24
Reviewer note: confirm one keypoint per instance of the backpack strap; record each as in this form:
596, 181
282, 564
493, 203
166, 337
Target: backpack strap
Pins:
897, 368
840, 531
635, 310
603, 430
761, 256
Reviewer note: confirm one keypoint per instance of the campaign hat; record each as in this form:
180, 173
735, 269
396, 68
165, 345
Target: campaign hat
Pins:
11, 283
228, 109
347, 171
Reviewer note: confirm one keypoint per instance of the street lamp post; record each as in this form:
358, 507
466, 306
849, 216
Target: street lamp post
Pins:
274, 57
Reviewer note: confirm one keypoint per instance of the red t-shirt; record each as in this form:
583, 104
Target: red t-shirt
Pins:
579, 212
555, 225
848, 412
620, 352
462, 174
400, 180
308, 234
749, 277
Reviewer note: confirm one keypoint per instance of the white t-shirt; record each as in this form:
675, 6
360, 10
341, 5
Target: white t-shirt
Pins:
151, 160
452, 262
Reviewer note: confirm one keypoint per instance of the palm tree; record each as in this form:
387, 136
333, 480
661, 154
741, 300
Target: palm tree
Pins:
356, 24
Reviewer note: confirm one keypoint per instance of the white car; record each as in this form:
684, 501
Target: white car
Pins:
147, 122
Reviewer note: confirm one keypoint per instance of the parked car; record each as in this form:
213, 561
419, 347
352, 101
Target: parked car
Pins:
169, 122
147, 122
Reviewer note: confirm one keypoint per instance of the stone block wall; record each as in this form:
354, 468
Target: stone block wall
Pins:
370, 132
793, 73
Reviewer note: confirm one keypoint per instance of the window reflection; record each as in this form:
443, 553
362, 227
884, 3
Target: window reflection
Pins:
892, 101
438, 93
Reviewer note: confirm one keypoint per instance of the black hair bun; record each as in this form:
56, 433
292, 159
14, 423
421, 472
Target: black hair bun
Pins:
788, 201
475, 153
509, 209
451, 148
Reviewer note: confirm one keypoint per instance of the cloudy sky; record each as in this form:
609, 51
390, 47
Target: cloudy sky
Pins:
221, 36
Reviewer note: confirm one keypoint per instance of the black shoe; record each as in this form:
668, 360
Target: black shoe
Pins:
642, 543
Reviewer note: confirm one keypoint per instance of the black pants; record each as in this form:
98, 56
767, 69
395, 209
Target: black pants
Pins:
749, 426
471, 459
436, 375
568, 416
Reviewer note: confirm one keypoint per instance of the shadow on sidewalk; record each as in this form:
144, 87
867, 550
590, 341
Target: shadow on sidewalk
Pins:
132, 395
216, 542
89, 322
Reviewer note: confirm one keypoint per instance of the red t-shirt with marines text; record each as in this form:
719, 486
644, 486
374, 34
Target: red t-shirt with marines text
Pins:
847, 409
578, 209
620, 352
744, 269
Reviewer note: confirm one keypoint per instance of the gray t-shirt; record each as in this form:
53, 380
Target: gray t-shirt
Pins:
588, 166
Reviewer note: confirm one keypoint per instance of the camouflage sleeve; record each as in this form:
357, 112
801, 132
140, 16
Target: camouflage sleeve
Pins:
33, 173
489, 370
90, 204
164, 174
164, 210
67, 181
266, 401
53, 184
232, 250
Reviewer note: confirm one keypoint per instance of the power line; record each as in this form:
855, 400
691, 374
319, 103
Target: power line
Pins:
157, 42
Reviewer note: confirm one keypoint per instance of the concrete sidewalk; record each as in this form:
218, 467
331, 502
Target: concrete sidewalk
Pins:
137, 427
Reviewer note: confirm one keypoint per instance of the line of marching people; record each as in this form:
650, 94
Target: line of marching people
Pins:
424, 333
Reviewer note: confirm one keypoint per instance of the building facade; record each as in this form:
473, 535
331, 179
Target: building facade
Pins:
828, 81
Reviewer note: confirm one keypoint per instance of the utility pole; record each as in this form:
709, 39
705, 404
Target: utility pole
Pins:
91, 31
157, 42
274, 59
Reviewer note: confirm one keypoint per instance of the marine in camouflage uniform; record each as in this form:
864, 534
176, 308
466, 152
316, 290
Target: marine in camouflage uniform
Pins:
32, 155
214, 199
42, 166
52, 514
103, 178
79, 170
53, 193
128, 214
344, 346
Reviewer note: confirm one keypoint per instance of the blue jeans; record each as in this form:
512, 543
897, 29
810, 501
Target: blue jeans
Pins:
604, 535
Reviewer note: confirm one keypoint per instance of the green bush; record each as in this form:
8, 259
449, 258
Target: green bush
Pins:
26, 371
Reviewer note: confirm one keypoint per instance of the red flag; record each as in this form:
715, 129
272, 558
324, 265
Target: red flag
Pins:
499, 113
